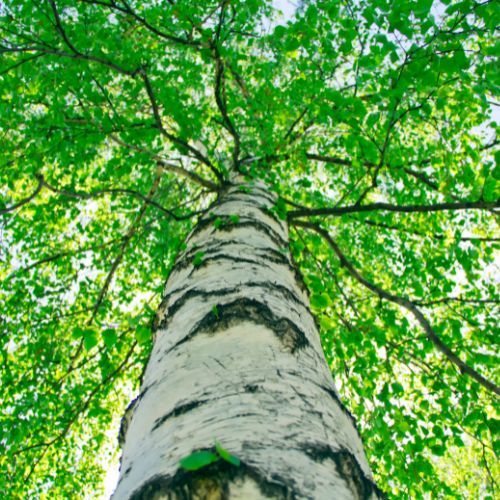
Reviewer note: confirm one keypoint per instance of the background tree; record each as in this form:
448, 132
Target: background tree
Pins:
372, 123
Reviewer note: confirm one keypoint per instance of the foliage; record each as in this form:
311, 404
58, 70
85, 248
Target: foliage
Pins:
119, 121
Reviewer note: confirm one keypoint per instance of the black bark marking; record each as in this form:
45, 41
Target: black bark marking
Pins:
299, 278
212, 482
253, 204
255, 191
244, 221
219, 248
251, 388
347, 467
127, 417
178, 410
207, 259
240, 310
221, 292
245, 309
344, 408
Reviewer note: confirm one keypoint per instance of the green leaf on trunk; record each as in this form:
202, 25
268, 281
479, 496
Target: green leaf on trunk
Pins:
198, 259
198, 459
225, 455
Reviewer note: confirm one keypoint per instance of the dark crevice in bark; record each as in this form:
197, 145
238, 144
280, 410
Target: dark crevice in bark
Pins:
261, 260
212, 482
246, 199
127, 417
347, 466
218, 245
254, 191
251, 388
191, 294
221, 292
245, 221
251, 204
344, 408
240, 310
299, 278
178, 410
208, 259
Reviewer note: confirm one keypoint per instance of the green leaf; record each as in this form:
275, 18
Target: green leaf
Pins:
198, 259
197, 460
320, 301
372, 119
110, 337
143, 334
90, 339
225, 455
78, 332
215, 311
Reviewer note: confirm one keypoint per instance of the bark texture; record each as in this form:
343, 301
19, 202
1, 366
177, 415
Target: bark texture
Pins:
237, 359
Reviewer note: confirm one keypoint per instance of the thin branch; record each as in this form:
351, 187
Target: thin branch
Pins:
176, 140
463, 300
168, 166
127, 10
95, 194
220, 91
59, 255
78, 55
126, 240
60, 28
221, 104
20, 63
83, 408
436, 236
25, 200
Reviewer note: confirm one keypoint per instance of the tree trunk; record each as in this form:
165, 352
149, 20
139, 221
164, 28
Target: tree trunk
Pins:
237, 360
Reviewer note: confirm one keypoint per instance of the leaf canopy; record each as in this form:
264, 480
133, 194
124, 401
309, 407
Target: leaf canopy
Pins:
374, 122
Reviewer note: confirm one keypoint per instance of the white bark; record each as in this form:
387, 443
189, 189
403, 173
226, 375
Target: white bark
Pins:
237, 359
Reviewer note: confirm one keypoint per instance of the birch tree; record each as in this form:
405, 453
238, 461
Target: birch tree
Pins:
248, 252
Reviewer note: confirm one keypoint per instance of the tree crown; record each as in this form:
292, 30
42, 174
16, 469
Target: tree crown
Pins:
122, 120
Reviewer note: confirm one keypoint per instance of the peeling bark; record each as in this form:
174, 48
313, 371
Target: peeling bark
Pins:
237, 360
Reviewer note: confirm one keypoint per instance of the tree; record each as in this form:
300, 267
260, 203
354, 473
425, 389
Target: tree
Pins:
341, 157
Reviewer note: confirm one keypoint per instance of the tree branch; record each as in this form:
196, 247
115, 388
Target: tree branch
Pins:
410, 232
95, 194
381, 206
405, 303
24, 201
127, 10
121, 254
219, 90
176, 140
462, 300
168, 166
